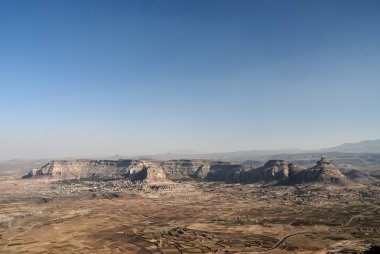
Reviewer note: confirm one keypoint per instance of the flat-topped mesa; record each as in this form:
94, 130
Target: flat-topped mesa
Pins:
224, 171
100, 169
324, 172
272, 171
82, 168
182, 169
203, 170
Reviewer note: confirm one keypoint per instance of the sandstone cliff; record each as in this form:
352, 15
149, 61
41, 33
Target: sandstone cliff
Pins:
324, 172
146, 170
274, 171
226, 172
100, 169
181, 169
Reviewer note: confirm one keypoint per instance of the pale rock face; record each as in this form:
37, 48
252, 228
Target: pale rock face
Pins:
202, 171
180, 169
155, 173
146, 170
32, 173
274, 171
101, 169
77, 169
224, 171
324, 172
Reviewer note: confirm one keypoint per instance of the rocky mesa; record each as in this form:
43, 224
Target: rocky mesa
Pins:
274, 171
100, 169
324, 172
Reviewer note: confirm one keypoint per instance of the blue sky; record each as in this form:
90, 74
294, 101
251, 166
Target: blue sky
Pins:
84, 78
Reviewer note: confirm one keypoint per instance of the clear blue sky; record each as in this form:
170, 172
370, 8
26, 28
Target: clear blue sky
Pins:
83, 78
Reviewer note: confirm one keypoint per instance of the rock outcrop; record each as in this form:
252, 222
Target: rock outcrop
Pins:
361, 177
146, 171
77, 169
204, 170
100, 169
324, 172
274, 171
226, 172
182, 169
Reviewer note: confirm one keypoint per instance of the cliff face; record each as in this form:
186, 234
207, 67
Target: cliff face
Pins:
274, 171
76, 169
226, 172
324, 172
181, 169
203, 170
146, 170
101, 169
140, 170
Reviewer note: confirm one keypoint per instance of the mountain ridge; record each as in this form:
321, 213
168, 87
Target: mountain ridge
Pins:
273, 171
365, 146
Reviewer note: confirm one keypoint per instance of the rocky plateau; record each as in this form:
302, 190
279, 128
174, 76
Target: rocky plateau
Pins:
279, 172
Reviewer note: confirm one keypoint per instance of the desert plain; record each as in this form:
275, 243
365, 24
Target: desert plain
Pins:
120, 216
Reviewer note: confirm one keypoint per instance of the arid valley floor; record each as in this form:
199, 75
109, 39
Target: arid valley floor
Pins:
118, 216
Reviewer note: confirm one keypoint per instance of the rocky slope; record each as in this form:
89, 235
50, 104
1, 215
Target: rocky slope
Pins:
361, 177
226, 172
100, 169
274, 171
324, 172
181, 169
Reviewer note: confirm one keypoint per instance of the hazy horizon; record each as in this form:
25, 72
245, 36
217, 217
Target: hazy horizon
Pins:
182, 151
99, 78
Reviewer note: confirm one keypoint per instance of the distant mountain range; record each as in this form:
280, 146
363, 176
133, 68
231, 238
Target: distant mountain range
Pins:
367, 146
364, 155
347, 150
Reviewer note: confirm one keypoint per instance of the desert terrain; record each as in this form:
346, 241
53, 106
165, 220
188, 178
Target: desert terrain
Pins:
49, 215
190, 127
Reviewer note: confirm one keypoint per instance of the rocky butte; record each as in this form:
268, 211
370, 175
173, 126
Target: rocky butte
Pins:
274, 171
324, 172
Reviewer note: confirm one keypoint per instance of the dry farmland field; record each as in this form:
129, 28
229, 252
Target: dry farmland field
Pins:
43, 216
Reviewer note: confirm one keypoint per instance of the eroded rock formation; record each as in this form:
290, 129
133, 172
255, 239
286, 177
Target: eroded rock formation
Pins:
100, 169
324, 172
274, 171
